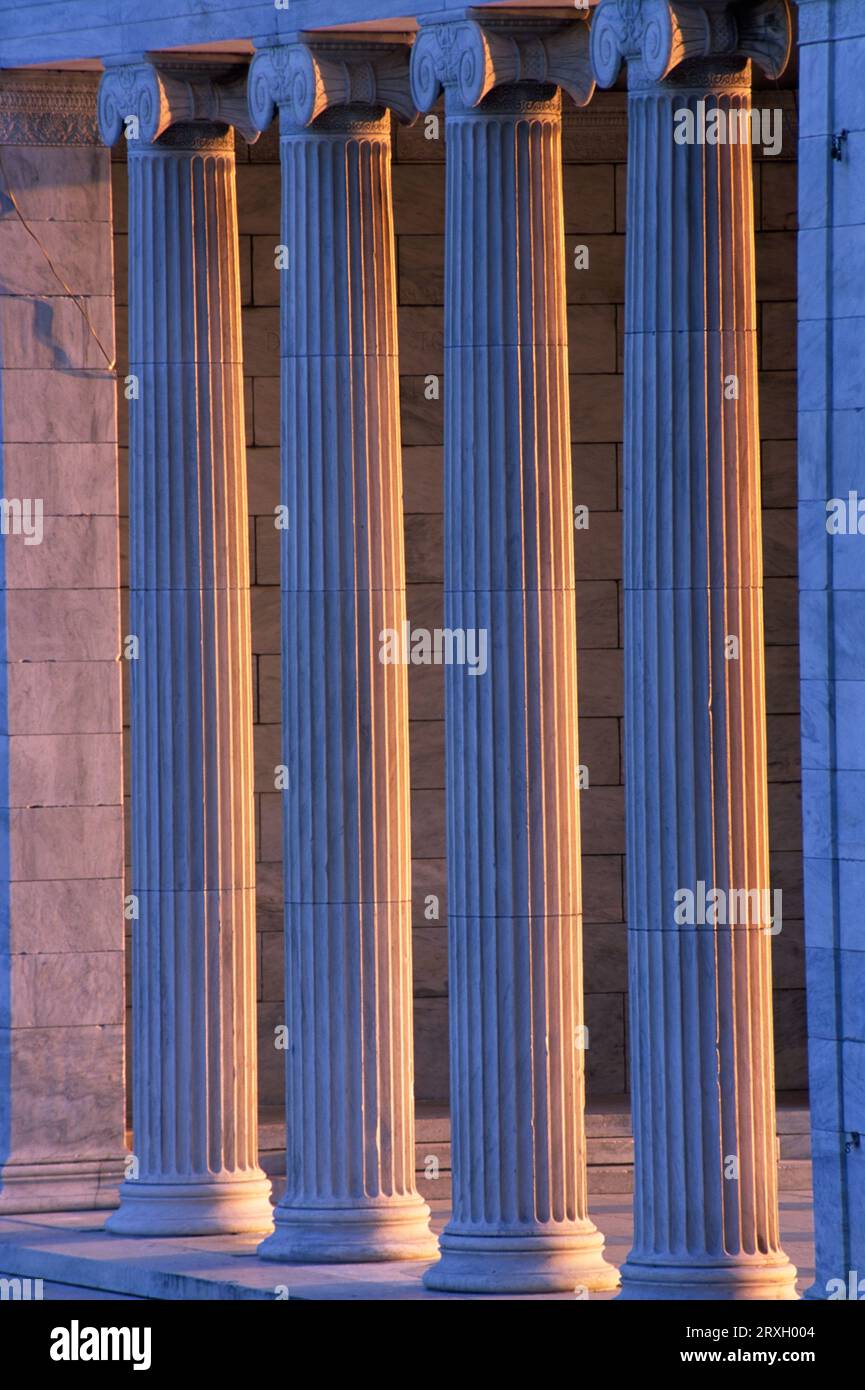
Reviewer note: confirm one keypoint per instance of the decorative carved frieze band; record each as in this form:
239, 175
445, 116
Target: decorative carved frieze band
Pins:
469, 58
664, 34
42, 108
159, 96
307, 79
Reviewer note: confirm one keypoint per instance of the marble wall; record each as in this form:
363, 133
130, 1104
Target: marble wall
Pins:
61, 838
832, 439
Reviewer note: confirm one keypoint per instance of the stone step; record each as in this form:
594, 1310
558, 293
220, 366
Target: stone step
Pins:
431, 1138
615, 1151
599, 1150
435, 1189
432, 1124
609, 1148
440, 1152
604, 1150
794, 1145
794, 1175
608, 1178
791, 1113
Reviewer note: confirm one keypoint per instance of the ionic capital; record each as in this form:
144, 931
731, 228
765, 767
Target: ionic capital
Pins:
468, 58
308, 78
662, 34
157, 96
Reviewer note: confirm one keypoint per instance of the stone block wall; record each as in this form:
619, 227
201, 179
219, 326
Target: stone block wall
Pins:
595, 148
832, 425
61, 824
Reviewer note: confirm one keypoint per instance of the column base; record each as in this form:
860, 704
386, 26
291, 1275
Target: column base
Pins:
232, 1206
531, 1263
396, 1230
85, 1185
723, 1282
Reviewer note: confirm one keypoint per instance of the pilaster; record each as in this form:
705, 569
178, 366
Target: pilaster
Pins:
831, 394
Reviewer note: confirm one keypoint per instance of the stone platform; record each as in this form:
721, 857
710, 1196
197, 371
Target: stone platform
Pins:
72, 1248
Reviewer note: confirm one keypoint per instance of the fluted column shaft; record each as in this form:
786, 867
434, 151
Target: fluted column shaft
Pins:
700, 909
520, 1220
350, 1190
193, 862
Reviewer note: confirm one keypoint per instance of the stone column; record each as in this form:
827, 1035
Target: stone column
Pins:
350, 1192
61, 785
700, 911
520, 1221
194, 1045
